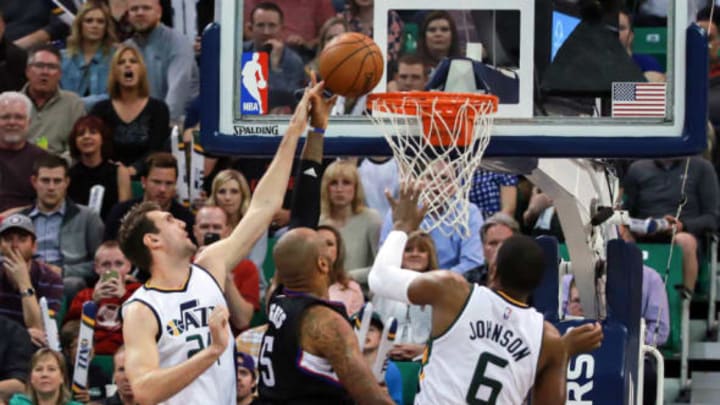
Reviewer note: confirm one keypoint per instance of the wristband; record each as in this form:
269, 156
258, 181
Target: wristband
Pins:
317, 130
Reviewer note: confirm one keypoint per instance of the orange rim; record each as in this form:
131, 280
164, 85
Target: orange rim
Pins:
445, 105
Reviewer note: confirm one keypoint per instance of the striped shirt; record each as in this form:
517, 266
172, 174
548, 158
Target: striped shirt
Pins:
45, 282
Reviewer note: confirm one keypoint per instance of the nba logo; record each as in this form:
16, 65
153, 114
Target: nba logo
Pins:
508, 312
254, 87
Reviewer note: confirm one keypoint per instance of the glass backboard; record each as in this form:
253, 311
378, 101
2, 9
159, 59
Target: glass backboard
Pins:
575, 82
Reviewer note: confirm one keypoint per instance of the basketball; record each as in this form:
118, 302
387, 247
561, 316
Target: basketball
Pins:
351, 64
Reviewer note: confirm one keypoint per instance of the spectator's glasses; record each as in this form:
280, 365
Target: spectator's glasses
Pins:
52, 67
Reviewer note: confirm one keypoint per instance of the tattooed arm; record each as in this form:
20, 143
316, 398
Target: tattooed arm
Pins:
324, 333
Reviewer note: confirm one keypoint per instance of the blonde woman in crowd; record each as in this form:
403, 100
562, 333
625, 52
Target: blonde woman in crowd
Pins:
414, 321
48, 382
90, 47
342, 205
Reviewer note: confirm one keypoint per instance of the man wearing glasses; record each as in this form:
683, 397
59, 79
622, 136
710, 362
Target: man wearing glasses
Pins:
54, 110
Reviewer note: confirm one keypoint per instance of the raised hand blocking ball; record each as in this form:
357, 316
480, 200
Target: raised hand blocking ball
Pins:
351, 64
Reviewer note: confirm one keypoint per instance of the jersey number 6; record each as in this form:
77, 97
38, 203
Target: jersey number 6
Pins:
479, 380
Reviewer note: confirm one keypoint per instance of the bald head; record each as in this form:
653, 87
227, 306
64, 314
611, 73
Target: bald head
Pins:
298, 257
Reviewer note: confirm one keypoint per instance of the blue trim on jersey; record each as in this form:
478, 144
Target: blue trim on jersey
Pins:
157, 317
184, 288
292, 293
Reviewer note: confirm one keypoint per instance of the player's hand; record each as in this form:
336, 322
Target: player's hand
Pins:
407, 212
583, 339
299, 119
218, 323
17, 268
38, 337
674, 221
320, 106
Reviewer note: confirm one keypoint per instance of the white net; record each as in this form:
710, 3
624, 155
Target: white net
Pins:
413, 127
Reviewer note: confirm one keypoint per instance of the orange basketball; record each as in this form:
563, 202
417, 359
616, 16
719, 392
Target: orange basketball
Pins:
351, 64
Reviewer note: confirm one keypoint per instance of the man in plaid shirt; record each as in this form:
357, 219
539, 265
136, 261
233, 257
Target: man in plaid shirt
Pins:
493, 192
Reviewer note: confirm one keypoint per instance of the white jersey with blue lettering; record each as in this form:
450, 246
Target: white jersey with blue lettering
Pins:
489, 355
182, 317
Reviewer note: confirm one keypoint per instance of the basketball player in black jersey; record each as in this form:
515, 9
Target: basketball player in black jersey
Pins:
309, 354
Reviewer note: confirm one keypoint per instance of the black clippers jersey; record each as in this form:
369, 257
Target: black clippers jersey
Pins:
289, 375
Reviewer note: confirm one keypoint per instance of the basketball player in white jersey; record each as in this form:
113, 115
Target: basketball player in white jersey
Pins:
176, 327
487, 346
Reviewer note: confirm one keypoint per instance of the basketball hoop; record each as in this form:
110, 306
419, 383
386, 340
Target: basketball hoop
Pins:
455, 133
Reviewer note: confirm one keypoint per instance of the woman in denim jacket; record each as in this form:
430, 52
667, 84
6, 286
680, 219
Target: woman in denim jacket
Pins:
86, 60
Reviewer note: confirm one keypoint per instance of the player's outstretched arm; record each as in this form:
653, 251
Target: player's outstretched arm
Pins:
325, 333
550, 381
388, 278
222, 256
150, 383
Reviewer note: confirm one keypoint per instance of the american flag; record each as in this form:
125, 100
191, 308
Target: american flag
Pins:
638, 99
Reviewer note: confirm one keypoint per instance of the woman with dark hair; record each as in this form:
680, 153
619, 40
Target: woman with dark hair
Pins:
414, 321
139, 123
438, 38
342, 287
48, 381
86, 59
91, 148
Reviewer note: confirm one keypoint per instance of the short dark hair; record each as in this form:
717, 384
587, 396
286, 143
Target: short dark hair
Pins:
50, 161
161, 160
704, 15
90, 122
267, 6
43, 48
520, 264
133, 228
410, 59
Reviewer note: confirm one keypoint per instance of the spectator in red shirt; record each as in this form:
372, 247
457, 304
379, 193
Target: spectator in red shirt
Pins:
211, 225
112, 289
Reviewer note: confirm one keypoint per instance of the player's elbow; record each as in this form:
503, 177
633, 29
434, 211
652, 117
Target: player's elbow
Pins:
144, 393
143, 398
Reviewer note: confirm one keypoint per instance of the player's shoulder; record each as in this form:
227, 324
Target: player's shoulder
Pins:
552, 343
449, 280
140, 315
318, 316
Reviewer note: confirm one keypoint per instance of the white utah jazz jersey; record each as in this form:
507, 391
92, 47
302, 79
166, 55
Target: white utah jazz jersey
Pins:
488, 355
183, 318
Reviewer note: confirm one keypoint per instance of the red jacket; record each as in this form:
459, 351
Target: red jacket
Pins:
108, 327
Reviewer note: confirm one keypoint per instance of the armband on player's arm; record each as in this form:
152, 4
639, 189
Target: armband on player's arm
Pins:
387, 277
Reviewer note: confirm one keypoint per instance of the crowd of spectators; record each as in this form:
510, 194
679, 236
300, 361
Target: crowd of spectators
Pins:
92, 103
